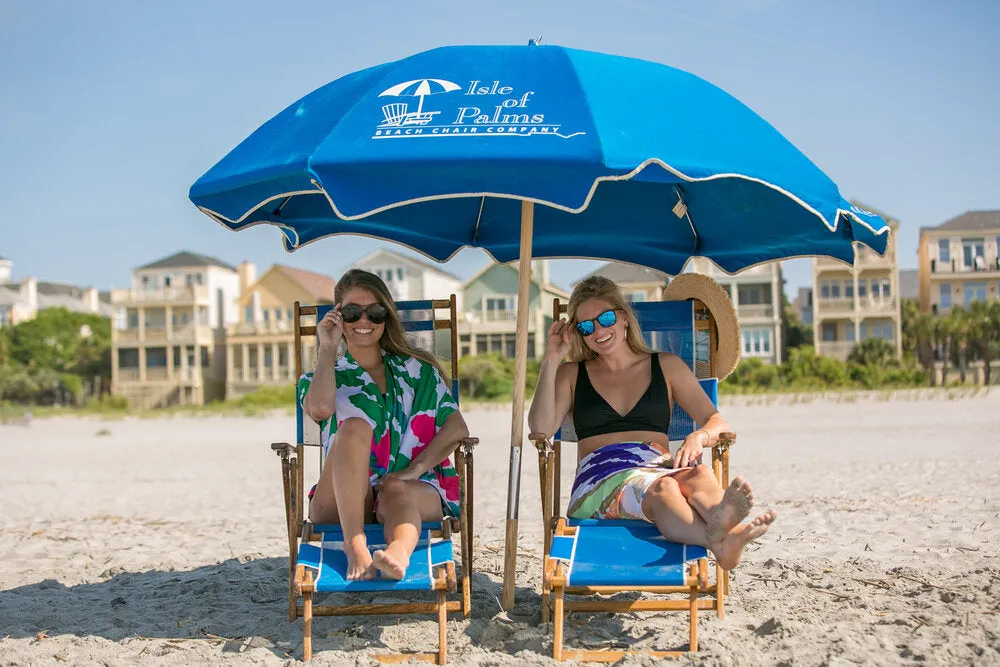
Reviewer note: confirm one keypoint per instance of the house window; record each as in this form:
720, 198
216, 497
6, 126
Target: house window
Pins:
756, 342
945, 299
824, 289
849, 333
974, 292
277, 314
880, 288
751, 296
156, 357
248, 313
204, 356
289, 313
973, 253
944, 251
635, 297
268, 358
829, 332
849, 289
500, 308
146, 283
862, 288
166, 281
266, 315
482, 345
399, 274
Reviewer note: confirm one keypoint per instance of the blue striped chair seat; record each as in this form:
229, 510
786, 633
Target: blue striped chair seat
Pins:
622, 553
329, 561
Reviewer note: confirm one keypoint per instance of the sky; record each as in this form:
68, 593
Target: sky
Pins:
110, 110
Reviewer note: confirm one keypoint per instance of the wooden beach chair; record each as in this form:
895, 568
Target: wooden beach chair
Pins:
604, 557
316, 563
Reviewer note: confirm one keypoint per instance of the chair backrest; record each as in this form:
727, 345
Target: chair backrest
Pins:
685, 328
420, 319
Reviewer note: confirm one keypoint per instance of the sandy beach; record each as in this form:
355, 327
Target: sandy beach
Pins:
162, 542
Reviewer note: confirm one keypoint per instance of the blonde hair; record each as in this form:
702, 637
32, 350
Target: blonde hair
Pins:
599, 287
393, 338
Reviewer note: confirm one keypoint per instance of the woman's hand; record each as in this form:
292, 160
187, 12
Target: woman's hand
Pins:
690, 452
330, 329
557, 344
408, 474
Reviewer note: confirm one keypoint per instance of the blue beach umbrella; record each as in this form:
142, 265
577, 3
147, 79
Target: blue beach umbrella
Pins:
535, 151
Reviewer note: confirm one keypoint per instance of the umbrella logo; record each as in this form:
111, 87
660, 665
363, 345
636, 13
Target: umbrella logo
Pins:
397, 114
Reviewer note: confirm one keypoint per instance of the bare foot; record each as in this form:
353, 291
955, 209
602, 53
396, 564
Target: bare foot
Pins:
734, 507
729, 549
359, 560
390, 564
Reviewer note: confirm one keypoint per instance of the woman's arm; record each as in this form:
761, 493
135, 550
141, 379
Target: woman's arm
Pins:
321, 399
553, 392
552, 399
441, 446
693, 400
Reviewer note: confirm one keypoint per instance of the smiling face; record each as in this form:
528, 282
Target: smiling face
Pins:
362, 333
604, 340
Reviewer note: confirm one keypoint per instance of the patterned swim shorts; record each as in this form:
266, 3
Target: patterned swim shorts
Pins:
613, 479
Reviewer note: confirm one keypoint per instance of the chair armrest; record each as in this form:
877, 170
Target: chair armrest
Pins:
468, 442
540, 440
282, 449
726, 439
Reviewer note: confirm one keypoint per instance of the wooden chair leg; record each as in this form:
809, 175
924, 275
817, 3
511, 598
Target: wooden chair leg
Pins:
442, 628
557, 632
307, 620
720, 591
693, 613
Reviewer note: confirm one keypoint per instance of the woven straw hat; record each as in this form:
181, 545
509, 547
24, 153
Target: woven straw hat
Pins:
727, 340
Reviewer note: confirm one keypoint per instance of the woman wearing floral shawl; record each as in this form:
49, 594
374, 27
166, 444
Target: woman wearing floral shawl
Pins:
388, 426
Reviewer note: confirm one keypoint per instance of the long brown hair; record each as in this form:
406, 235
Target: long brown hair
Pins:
599, 287
393, 338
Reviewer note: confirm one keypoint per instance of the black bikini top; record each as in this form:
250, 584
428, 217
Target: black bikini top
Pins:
593, 415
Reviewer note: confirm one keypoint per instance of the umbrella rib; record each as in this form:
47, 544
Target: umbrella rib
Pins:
475, 231
681, 210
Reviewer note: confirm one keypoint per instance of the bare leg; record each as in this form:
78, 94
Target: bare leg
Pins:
403, 506
664, 503
729, 550
721, 511
344, 494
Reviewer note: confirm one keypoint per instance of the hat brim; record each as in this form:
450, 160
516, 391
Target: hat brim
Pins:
728, 345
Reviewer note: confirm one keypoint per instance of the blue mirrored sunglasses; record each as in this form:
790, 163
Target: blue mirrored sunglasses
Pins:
605, 319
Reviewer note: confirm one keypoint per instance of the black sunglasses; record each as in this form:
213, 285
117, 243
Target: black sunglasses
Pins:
605, 319
352, 312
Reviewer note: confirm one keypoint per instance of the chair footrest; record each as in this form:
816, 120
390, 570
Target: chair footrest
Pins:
329, 562
622, 553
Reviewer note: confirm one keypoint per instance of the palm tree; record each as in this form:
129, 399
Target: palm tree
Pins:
985, 332
925, 335
961, 333
942, 334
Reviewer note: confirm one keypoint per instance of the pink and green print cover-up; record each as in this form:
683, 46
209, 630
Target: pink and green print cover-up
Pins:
415, 406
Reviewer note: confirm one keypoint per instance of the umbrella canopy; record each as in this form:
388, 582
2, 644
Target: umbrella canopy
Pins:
672, 165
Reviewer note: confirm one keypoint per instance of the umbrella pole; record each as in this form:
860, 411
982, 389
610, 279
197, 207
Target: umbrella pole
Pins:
517, 413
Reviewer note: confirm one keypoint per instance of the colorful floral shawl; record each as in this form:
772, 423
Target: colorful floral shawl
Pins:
415, 406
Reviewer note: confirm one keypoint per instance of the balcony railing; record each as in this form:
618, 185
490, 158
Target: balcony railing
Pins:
864, 305
255, 328
836, 349
755, 310
130, 374
194, 293
958, 266
835, 305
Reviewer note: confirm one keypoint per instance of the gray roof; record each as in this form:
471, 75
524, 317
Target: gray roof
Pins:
971, 221
909, 284
628, 273
185, 259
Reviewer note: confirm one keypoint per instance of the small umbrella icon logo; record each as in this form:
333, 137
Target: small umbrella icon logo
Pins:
396, 113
